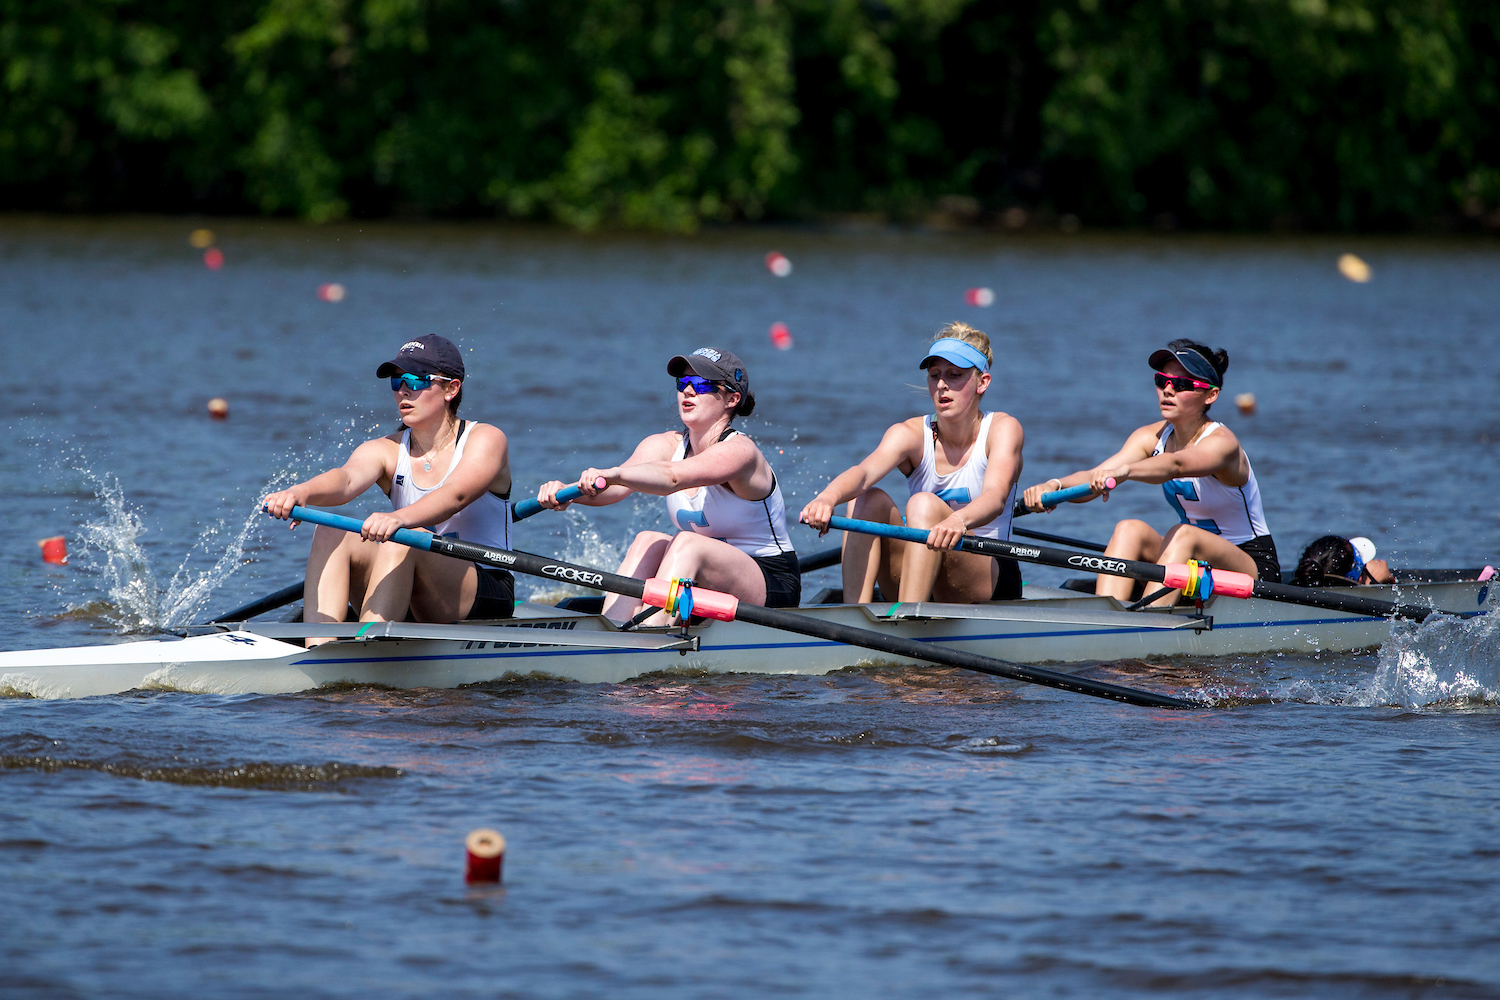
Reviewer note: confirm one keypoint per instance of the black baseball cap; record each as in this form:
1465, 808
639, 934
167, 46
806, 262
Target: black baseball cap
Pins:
428, 355
714, 364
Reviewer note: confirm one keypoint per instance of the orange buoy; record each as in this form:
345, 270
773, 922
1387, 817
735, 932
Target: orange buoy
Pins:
54, 550
202, 239
486, 856
1354, 269
1246, 402
218, 408
781, 337
213, 258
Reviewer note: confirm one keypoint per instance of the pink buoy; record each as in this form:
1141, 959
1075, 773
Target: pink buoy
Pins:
778, 264
213, 258
981, 297
781, 337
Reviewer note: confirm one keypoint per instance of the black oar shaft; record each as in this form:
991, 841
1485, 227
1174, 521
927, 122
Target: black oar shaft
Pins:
1156, 573
286, 595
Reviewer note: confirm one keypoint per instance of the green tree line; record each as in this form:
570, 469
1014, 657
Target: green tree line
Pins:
1378, 114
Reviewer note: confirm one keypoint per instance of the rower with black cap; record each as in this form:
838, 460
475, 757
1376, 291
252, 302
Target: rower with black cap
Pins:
1204, 473
961, 467
721, 494
441, 473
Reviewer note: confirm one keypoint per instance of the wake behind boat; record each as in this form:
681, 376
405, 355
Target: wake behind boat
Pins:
1049, 625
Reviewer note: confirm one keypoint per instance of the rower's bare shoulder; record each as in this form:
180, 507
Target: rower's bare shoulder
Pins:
1148, 435
658, 447
487, 434
1003, 425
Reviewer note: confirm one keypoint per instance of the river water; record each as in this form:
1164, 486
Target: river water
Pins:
875, 832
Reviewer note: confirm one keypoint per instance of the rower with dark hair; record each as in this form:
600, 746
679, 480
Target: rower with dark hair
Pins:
721, 494
1336, 561
1204, 473
446, 475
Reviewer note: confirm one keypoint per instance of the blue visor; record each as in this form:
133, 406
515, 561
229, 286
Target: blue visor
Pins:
955, 350
1192, 362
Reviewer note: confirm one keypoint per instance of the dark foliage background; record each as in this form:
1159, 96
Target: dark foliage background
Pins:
1378, 114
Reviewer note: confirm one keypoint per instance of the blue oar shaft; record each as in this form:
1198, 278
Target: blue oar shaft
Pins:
1080, 492
526, 508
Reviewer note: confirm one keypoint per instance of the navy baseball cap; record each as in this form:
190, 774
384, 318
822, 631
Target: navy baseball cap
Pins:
1197, 365
429, 355
714, 364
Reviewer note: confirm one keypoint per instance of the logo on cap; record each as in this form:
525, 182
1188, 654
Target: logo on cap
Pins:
709, 353
739, 376
411, 345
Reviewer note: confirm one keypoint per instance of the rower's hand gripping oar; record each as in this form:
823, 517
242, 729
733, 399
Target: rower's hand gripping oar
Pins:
1196, 581
1083, 491
669, 595
523, 509
527, 508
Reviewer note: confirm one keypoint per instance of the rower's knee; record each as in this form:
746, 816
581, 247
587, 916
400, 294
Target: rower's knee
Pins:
874, 505
924, 510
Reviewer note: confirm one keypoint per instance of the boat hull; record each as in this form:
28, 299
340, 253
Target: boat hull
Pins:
1051, 626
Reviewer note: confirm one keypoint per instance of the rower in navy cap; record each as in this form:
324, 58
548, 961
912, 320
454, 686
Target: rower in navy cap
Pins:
444, 474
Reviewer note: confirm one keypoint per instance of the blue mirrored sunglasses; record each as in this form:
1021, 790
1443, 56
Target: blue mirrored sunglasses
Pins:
701, 386
416, 383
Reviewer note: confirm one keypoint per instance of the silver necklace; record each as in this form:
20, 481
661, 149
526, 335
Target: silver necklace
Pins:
427, 463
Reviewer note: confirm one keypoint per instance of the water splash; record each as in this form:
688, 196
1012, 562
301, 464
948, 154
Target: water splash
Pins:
1444, 660
584, 546
138, 601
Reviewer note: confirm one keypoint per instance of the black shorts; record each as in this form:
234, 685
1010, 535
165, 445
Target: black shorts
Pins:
1263, 550
1008, 584
496, 594
783, 575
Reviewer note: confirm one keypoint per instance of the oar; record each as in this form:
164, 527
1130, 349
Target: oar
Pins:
286, 595
523, 509
1176, 576
1077, 543
726, 607
1056, 497
526, 508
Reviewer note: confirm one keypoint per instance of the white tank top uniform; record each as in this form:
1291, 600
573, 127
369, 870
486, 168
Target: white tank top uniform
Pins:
1232, 512
959, 488
486, 521
755, 527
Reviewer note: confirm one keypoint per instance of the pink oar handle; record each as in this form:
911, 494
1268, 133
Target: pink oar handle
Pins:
706, 603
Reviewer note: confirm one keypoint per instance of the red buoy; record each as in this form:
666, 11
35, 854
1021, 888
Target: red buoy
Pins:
486, 856
979, 297
778, 264
331, 292
213, 258
54, 550
781, 337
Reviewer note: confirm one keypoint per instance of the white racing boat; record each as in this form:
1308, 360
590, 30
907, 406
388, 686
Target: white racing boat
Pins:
1050, 626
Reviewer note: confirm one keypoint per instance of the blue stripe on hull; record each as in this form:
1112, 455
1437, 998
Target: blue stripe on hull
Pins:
806, 644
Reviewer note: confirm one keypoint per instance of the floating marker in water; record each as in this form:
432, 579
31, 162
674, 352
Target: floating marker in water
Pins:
979, 297
1246, 402
54, 550
331, 292
486, 856
213, 258
218, 408
1354, 269
778, 264
201, 238
781, 337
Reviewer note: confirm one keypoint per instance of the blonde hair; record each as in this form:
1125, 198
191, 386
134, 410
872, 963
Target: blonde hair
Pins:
976, 339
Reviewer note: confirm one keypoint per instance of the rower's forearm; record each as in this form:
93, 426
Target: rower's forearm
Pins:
845, 487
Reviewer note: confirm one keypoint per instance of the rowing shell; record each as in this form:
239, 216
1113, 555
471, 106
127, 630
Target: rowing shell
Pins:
1049, 626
